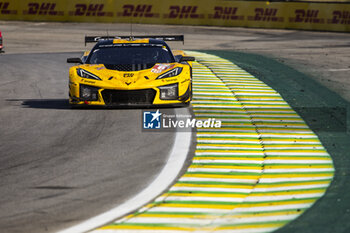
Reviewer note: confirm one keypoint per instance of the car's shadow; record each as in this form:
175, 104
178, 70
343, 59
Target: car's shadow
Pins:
64, 104
42, 103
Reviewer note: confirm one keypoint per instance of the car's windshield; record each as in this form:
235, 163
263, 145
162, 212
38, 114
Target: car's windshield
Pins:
130, 54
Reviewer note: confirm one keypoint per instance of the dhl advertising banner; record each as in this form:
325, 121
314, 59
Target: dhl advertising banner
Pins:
293, 15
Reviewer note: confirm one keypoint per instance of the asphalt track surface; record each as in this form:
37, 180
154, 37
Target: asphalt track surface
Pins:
60, 166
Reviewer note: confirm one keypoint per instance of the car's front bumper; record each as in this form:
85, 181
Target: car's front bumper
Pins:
115, 97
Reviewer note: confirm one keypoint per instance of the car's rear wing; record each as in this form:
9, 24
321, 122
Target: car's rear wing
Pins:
94, 39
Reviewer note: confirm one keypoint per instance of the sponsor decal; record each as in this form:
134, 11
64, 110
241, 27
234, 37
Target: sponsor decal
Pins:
140, 10
186, 80
170, 80
340, 17
4, 9
226, 13
306, 16
90, 10
183, 12
88, 81
169, 121
128, 75
159, 68
100, 68
45, 8
265, 14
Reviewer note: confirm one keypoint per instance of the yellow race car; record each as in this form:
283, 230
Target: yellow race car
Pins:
131, 71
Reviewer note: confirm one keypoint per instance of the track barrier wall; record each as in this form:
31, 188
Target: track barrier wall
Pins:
257, 14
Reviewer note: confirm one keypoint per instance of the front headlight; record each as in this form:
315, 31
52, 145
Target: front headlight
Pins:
169, 92
89, 93
171, 73
85, 74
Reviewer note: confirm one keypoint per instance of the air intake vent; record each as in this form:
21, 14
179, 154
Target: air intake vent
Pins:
129, 67
131, 97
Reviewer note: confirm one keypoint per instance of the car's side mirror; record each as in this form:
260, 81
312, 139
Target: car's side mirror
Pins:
178, 58
74, 60
186, 58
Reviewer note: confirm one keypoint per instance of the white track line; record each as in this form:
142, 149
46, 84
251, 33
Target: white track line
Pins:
165, 178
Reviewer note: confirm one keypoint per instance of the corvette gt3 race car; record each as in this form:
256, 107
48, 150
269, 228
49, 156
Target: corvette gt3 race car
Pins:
131, 71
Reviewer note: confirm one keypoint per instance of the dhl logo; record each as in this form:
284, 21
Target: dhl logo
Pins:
141, 10
265, 14
183, 12
306, 16
45, 8
226, 13
90, 10
340, 17
4, 9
